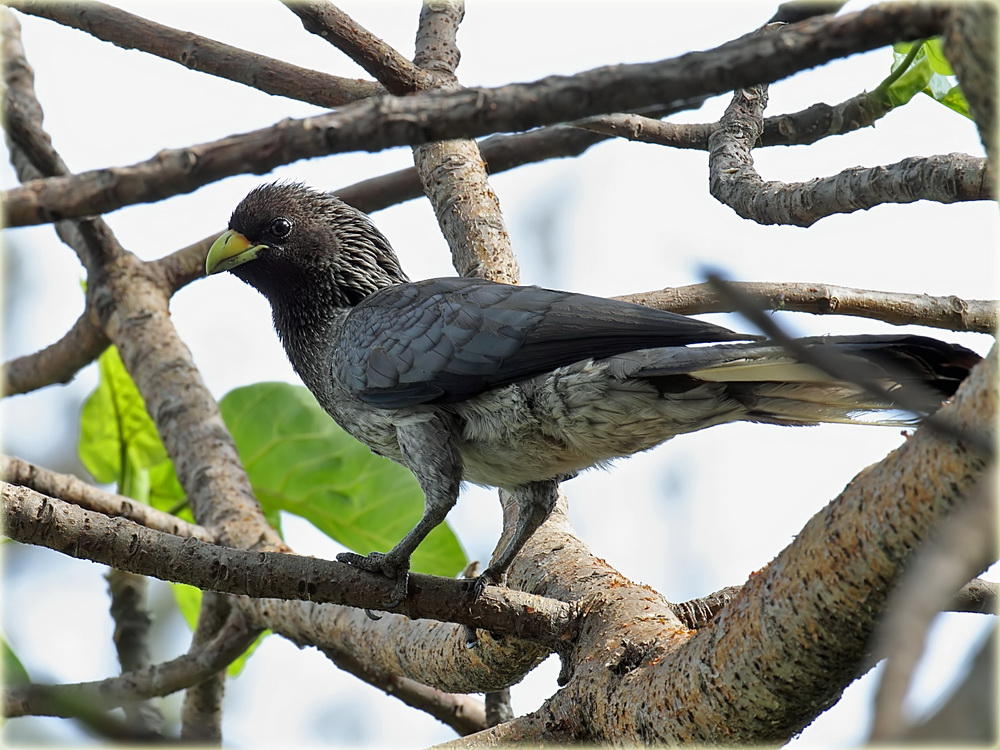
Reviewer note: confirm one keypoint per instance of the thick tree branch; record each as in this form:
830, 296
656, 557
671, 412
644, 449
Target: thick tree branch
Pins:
394, 71
452, 173
951, 313
56, 363
33, 518
783, 650
157, 680
970, 42
462, 713
68, 488
440, 115
500, 152
734, 181
966, 545
199, 53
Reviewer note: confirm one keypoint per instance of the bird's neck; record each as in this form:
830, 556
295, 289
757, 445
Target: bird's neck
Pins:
309, 313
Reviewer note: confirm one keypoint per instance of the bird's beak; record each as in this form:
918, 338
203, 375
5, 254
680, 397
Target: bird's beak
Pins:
230, 250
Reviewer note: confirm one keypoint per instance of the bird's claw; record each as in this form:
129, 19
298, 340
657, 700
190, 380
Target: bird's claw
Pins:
385, 566
488, 577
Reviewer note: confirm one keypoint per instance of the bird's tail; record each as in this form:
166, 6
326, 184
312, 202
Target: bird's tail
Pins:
776, 388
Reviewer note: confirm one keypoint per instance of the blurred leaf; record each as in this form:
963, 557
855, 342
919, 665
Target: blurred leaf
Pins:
188, 600
301, 462
14, 672
119, 442
928, 71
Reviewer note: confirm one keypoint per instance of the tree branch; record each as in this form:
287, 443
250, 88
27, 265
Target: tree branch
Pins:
157, 680
965, 545
131, 639
452, 173
68, 488
734, 181
394, 71
57, 363
34, 518
793, 129
199, 53
201, 713
786, 646
951, 313
440, 115
462, 713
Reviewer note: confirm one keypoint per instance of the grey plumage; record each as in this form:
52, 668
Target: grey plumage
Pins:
517, 387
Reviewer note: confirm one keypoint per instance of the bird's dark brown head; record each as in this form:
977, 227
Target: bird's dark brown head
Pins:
295, 244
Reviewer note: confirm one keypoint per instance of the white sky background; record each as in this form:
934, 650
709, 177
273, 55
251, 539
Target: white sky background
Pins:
688, 518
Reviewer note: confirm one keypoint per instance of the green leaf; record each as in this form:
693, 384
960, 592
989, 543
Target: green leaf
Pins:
926, 70
119, 442
188, 599
301, 462
14, 672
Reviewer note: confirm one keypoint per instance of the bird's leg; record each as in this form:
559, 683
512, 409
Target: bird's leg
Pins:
430, 454
534, 503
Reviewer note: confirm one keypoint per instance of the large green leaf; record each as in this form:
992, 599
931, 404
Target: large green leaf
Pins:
301, 462
14, 672
119, 442
922, 67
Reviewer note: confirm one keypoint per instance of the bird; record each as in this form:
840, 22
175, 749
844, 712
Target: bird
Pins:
520, 387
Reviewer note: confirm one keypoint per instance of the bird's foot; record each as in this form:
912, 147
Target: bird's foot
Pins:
386, 566
488, 577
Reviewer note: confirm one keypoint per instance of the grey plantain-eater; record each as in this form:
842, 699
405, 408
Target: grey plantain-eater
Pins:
519, 387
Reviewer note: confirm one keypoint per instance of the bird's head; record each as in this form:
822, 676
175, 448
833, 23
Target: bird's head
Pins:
291, 242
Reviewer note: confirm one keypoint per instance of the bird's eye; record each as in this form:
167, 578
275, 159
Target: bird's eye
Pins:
281, 227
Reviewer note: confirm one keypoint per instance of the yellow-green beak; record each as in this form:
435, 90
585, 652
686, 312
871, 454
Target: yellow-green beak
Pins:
230, 250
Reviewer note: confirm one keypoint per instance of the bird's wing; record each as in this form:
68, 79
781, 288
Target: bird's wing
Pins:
445, 340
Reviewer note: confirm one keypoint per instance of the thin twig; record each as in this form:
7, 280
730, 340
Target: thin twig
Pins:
157, 680
795, 128
68, 488
438, 115
199, 53
912, 397
951, 312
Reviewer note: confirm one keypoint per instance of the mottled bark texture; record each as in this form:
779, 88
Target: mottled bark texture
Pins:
970, 42
34, 518
266, 74
382, 122
966, 544
774, 658
453, 173
735, 182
